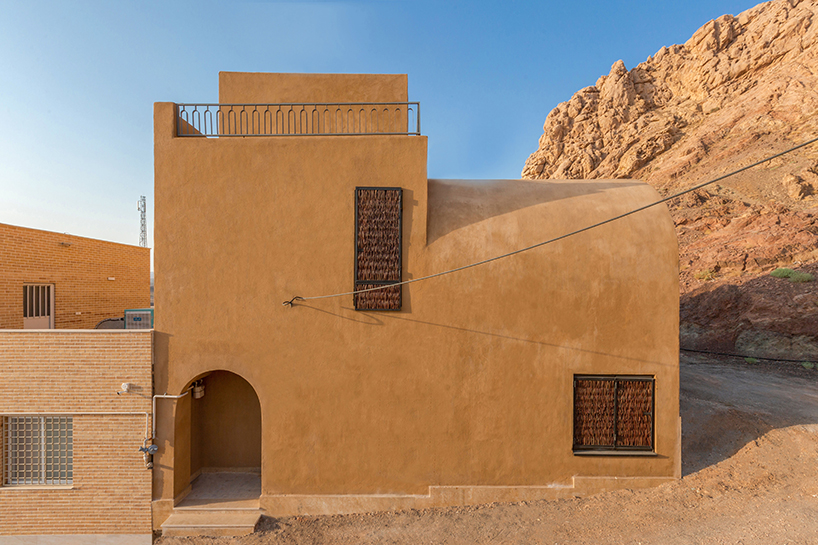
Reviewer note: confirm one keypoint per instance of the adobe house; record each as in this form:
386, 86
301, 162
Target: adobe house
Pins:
550, 373
58, 281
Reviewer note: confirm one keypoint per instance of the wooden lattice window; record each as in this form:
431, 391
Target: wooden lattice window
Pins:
613, 412
378, 247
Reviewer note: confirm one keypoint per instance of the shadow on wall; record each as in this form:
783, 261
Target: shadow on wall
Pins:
379, 319
454, 204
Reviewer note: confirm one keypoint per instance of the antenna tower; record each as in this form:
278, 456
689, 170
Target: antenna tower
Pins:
143, 224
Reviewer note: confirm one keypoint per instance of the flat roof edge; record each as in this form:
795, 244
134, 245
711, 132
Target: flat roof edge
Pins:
76, 331
57, 233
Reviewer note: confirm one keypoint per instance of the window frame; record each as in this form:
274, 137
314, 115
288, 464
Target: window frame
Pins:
614, 448
33, 461
362, 283
38, 303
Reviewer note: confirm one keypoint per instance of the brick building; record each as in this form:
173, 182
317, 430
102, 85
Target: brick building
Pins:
58, 281
70, 463
70, 459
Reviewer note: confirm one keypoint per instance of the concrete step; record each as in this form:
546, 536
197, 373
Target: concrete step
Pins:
211, 522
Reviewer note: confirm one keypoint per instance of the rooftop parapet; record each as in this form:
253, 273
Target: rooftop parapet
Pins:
325, 119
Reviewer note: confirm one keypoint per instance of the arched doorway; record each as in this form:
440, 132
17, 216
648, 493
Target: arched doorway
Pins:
225, 442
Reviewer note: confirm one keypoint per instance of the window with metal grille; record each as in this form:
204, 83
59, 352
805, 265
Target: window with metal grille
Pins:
613, 412
38, 450
378, 247
36, 300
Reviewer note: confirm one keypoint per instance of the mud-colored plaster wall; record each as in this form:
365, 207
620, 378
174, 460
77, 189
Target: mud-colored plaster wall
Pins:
466, 394
265, 88
77, 373
79, 268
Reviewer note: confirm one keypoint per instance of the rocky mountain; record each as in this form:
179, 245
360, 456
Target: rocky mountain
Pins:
739, 90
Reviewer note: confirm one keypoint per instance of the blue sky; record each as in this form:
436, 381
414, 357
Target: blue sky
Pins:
78, 81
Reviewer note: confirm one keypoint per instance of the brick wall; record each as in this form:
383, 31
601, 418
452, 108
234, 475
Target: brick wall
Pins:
73, 372
79, 268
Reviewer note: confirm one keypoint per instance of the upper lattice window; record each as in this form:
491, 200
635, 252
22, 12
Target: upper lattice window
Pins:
378, 248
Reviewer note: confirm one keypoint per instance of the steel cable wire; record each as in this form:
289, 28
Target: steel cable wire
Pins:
292, 301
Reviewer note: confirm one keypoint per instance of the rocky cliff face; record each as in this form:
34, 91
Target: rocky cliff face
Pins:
741, 89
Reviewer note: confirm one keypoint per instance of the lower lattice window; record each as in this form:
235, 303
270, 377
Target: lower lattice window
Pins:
38, 450
613, 413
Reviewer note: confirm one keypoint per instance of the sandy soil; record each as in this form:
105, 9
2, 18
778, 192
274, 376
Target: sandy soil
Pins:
750, 464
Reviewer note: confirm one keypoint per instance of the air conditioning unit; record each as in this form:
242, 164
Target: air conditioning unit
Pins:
139, 318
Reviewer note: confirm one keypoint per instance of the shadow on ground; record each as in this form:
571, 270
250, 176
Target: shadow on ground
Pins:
726, 403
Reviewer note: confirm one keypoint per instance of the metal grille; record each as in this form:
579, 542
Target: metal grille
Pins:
613, 413
38, 450
378, 247
36, 300
327, 119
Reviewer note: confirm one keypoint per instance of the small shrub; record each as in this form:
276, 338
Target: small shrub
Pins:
707, 274
751, 360
792, 276
799, 276
808, 365
782, 273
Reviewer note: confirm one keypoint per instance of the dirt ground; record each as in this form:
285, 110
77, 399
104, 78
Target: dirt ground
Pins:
750, 465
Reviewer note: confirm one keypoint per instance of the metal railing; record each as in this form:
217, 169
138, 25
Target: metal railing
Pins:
216, 120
